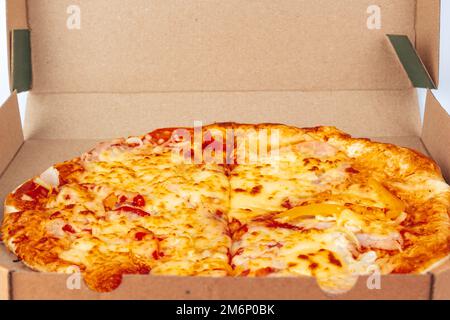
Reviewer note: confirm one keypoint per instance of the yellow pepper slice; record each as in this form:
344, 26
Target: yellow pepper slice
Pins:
320, 209
393, 203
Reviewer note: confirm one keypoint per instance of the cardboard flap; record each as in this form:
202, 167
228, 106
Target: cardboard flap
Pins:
436, 133
17, 19
21, 60
4, 283
104, 116
16, 14
441, 285
411, 62
233, 45
11, 136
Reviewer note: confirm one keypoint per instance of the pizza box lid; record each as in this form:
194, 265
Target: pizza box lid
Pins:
162, 63
298, 62
319, 60
104, 46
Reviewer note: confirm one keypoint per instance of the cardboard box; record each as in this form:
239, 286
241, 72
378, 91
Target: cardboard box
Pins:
135, 66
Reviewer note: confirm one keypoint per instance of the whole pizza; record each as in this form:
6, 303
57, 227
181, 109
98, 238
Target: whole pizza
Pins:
233, 200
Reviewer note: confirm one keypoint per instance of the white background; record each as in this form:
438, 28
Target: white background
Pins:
443, 94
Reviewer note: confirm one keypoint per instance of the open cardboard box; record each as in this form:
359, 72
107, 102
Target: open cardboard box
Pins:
139, 65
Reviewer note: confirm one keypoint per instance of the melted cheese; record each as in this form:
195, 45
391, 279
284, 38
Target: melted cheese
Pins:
317, 173
183, 233
315, 207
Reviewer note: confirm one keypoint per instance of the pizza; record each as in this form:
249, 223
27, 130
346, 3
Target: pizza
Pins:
233, 200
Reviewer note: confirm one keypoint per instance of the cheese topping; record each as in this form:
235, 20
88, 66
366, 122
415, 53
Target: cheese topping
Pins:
323, 205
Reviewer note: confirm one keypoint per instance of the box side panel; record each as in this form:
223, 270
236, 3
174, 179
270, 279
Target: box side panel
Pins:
441, 289
16, 14
11, 136
87, 116
4, 284
436, 133
441, 281
428, 35
31, 285
234, 45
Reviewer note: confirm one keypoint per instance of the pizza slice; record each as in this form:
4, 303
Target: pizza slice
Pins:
333, 207
127, 206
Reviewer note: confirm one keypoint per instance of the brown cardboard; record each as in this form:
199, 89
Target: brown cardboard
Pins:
16, 18
60, 115
428, 35
11, 139
16, 14
436, 133
128, 70
216, 45
11, 136
27, 285
426, 27
4, 283
441, 289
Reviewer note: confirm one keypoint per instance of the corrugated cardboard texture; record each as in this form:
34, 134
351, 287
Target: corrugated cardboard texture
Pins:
11, 136
436, 133
28, 286
233, 45
92, 116
428, 35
